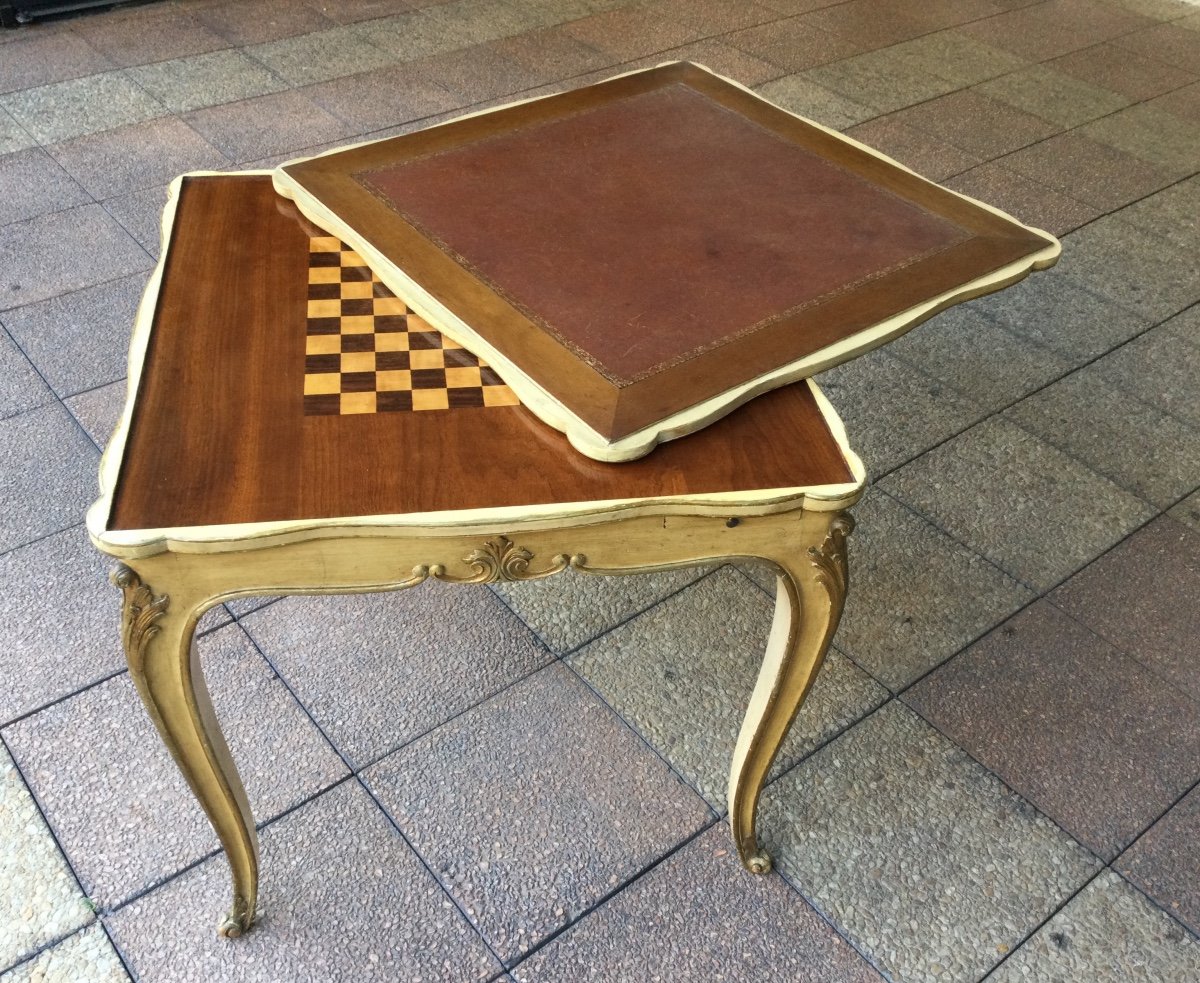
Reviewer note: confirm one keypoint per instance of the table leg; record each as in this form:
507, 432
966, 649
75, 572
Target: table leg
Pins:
811, 589
157, 632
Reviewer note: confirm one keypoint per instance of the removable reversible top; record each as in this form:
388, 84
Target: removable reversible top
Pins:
638, 257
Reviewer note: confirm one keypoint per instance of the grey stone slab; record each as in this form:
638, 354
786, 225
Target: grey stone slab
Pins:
1165, 861
1160, 368
801, 95
681, 674
140, 214
1053, 95
63, 251
1187, 511
914, 148
480, 74
118, 804
698, 917
880, 81
918, 856
916, 596
893, 411
1089, 735
1152, 135
21, 388
34, 60
13, 136
80, 340
98, 410
1033, 511
1109, 933
86, 955
1131, 442
955, 57
1141, 271
1023, 197
206, 80
1141, 596
570, 610
1072, 320
374, 100
534, 806
61, 625
267, 20
1173, 214
41, 900
63, 110
139, 34
377, 670
342, 897
49, 475
967, 350
137, 156
33, 184
410, 35
323, 55
273, 124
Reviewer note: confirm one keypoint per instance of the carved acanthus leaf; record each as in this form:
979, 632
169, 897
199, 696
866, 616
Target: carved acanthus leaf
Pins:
139, 613
830, 559
502, 559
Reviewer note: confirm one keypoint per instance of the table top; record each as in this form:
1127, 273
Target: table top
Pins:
633, 255
275, 379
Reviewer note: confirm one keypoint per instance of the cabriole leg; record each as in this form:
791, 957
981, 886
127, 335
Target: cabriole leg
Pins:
811, 590
157, 634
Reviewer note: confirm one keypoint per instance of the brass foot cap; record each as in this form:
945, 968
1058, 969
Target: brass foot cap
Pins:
759, 863
232, 926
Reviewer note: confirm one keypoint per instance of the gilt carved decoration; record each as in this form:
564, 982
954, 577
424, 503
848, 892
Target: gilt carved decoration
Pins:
139, 614
830, 559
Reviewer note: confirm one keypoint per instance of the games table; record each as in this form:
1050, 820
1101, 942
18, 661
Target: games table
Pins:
295, 427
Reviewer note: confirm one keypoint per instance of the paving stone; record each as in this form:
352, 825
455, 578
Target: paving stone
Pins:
682, 674
725, 60
63, 110
917, 150
1141, 596
118, 804
13, 136
86, 955
375, 100
35, 184
1107, 934
255, 128
923, 860
956, 58
1109, 430
140, 214
41, 900
342, 897
49, 475
880, 80
1168, 43
266, 20
802, 96
1165, 861
351, 11
632, 32
894, 411
1134, 268
570, 610
551, 53
916, 596
1183, 103
973, 354
1152, 135
793, 44
981, 126
534, 806
1042, 31
1054, 95
378, 670
61, 625
677, 923
1184, 327
412, 34
206, 80
479, 75
1173, 214
36, 60
21, 388
1016, 194
1048, 308
318, 57
1132, 75
80, 340
866, 21
1158, 9
63, 251
1160, 368
98, 410
1035, 512
156, 32
1086, 733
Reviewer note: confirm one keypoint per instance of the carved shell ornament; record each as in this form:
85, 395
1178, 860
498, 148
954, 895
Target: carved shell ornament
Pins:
499, 559
830, 559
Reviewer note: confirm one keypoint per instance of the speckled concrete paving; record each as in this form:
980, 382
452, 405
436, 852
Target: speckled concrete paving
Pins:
463, 784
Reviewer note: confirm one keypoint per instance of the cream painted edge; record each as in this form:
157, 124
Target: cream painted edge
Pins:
132, 544
582, 436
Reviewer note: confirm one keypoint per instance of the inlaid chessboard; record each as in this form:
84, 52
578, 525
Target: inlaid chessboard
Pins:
366, 352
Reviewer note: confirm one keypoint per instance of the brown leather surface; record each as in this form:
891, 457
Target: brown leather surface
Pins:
645, 231
219, 434
481, 285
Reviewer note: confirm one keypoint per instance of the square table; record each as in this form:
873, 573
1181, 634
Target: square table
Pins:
226, 478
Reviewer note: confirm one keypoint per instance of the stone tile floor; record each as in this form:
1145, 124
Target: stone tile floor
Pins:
997, 775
